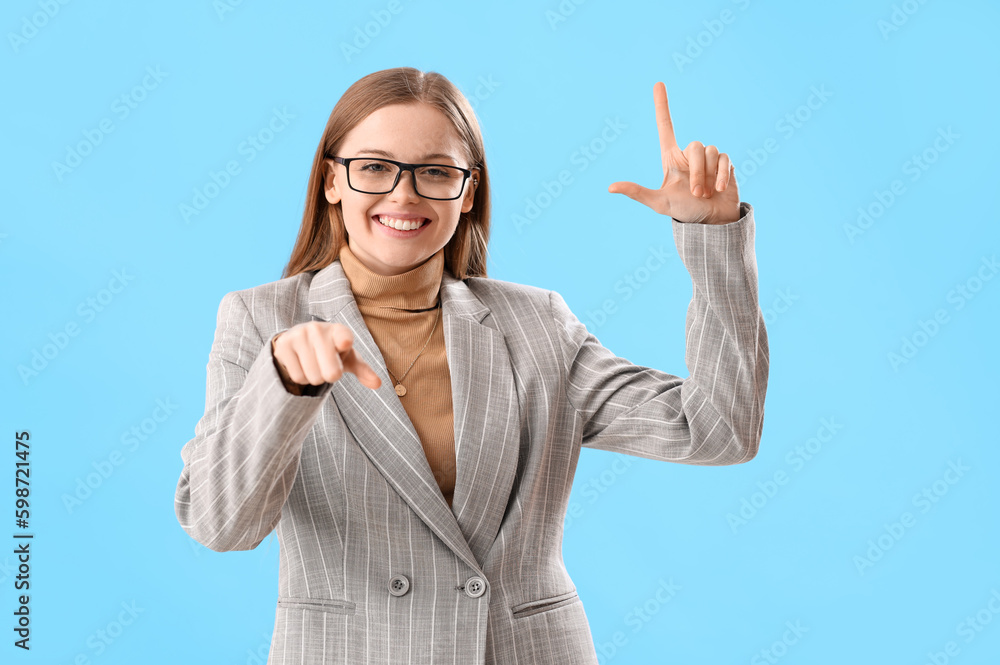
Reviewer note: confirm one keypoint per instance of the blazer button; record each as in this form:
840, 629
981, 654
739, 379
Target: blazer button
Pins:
475, 586
399, 585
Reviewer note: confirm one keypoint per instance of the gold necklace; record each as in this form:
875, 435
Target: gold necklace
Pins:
400, 389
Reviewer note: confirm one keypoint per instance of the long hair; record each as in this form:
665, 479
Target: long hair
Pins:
322, 232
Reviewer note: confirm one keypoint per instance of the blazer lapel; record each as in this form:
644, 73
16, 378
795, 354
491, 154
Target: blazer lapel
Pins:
487, 415
485, 407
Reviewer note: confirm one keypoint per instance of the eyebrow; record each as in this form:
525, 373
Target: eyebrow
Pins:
376, 151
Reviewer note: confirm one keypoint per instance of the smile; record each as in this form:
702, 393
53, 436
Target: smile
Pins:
400, 224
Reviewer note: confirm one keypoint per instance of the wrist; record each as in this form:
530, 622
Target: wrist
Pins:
718, 221
286, 380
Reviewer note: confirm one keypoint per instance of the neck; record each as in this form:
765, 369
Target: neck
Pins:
415, 289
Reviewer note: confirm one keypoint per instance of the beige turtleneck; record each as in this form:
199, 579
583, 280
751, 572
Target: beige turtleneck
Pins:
390, 306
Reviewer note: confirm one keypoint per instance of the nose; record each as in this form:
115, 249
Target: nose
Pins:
405, 188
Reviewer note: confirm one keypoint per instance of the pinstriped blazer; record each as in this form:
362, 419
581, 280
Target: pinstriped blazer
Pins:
375, 568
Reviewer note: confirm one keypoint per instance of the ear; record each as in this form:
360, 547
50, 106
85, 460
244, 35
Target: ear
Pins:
330, 181
470, 191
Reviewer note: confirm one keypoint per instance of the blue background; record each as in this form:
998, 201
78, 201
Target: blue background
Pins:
816, 551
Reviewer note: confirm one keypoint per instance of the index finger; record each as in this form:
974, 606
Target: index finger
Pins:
350, 359
663, 122
343, 337
366, 375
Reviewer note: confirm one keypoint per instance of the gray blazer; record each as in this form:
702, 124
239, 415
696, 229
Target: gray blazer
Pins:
375, 568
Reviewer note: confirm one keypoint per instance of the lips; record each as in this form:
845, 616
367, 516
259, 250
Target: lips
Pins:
406, 218
397, 216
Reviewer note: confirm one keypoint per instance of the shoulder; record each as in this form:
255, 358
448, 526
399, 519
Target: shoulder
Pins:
520, 308
273, 292
540, 316
492, 291
278, 303
530, 319
499, 292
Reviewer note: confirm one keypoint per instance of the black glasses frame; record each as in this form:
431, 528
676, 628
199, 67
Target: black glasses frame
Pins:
403, 166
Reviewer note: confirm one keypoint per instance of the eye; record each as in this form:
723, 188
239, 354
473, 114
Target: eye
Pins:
439, 172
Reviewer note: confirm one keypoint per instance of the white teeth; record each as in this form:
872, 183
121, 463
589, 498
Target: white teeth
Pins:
400, 224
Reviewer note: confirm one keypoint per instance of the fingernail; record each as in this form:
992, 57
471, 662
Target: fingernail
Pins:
697, 190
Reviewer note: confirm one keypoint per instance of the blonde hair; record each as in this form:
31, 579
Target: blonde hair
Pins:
322, 232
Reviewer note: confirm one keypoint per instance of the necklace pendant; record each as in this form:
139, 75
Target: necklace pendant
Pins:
400, 390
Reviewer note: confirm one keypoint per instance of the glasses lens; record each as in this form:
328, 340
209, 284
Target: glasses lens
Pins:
374, 176
439, 182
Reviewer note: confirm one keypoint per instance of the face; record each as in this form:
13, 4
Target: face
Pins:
411, 133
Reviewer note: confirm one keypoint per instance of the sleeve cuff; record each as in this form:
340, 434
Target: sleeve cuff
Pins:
745, 209
296, 389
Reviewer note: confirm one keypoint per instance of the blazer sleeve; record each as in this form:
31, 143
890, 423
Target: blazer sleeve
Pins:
716, 415
241, 463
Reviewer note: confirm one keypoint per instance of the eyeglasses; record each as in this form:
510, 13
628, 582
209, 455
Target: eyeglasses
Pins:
440, 182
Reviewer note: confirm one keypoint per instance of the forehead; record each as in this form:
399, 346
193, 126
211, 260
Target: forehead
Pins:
408, 131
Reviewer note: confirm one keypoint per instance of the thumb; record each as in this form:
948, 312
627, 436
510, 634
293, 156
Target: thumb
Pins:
643, 195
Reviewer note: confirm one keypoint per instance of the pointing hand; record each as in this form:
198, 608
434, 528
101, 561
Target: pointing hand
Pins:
318, 352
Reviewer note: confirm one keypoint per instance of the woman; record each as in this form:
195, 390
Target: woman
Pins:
411, 428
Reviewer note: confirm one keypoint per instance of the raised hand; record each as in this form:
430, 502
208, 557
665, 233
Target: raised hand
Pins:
317, 352
699, 183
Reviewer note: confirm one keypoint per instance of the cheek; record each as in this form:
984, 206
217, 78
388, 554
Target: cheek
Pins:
448, 224
354, 216
453, 213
